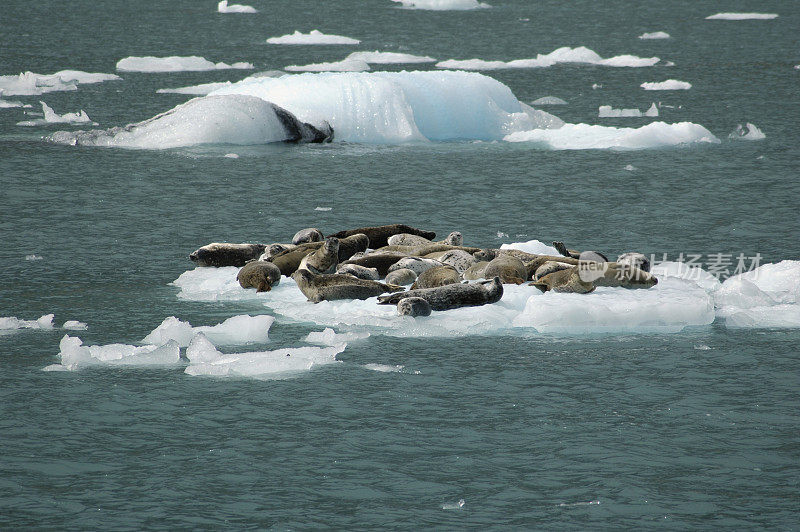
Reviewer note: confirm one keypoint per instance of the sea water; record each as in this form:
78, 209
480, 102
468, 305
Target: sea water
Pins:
454, 423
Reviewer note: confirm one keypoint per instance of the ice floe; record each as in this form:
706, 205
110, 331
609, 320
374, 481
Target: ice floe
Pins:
74, 325
388, 58
10, 104
74, 355
742, 16
224, 7
606, 111
668, 85
580, 55
384, 368
331, 337
312, 37
51, 117
443, 5
747, 132
197, 90
768, 296
345, 65
12, 323
261, 364
236, 330
32, 84
175, 64
655, 35
549, 100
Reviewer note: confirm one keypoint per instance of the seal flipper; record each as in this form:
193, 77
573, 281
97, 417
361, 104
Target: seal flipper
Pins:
541, 286
264, 286
562, 249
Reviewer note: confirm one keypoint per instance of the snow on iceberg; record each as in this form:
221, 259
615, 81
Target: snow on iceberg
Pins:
312, 37
231, 119
345, 65
669, 85
549, 100
223, 7
74, 355
174, 64
261, 364
747, 132
12, 323
51, 117
197, 90
388, 58
233, 331
586, 137
655, 35
564, 54
606, 111
443, 5
768, 296
742, 16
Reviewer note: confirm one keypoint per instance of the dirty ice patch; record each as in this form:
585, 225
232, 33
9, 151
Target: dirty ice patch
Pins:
768, 296
74, 355
345, 65
668, 85
565, 54
314, 37
197, 90
280, 363
588, 137
224, 7
233, 331
175, 64
51, 117
443, 5
742, 16
388, 58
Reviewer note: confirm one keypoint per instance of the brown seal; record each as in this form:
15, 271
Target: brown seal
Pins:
452, 295
331, 287
259, 274
324, 259
219, 254
508, 268
379, 235
437, 276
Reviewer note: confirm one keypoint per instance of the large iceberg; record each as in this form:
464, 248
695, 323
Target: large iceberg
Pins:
312, 37
175, 64
565, 54
443, 5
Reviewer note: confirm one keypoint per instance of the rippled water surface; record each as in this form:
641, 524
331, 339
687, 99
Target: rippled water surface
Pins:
697, 429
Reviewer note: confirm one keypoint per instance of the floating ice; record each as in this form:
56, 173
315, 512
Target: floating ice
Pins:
655, 35
263, 364
606, 111
323, 209
12, 323
231, 155
197, 90
345, 65
312, 37
565, 54
200, 349
82, 78
669, 85
596, 86
74, 355
687, 272
231, 119
223, 7
549, 100
31, 84
74, 325
8, 104
233, 331
747, 132
388, 58
532, 246
454, 505
174, 64
768, 296
384, 368
51, 117
33, 257
330, 337
742, 16
585, 137
630, 168
443, 5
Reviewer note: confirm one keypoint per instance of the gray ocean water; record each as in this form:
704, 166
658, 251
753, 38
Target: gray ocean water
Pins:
636, 431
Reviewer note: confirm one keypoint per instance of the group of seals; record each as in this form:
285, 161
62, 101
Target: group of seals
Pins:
349, 264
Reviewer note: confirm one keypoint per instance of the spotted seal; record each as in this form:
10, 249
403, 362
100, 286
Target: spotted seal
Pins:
371, 274
323, 260
381, 261
458, 259
508, 268
401, 277
312, 234
414, 306
259, 274
335, 286
437, 276
275, 249
566, 281
379, 235
638, 260
452, 295
351, 245
574, 254
219, 254
417, 264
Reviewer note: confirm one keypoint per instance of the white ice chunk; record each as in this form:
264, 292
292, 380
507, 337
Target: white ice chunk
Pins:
231, 155
174, 64
74, 355
312, 37
267, 364
443, 5
384, 368
197, 90
549, 100
223, 7
768, 296
655, 35
51, 117
388, 58
687, 272
652, 110
235, 330
345, 65
82, 78
606, 111
331, 337
201, 349
742, 16
74, 325
669, 85
9, 104
12, 323
564, 54
532, 246
30, 84
585, 137
747, 132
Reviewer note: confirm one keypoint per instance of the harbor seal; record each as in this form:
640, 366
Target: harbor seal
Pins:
564, 281
452, 295
219, 254
371, 274
289, 261
381, 261
458, 259
414, 306
334, 286
312, 234
275, 249
625, 276
508, 268
437, 276
379, 235
405, 239
351, 245
638, 260
259, 274
417, 264
401, 277
323, 260
574, 254
549, 267
476, 271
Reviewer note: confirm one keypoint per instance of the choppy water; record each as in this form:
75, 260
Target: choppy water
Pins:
527, 429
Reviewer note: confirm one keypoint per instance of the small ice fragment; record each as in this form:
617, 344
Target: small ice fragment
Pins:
231, 155
324, 209
55, 367
588, 503
652, 111
742, 16
223, 7
389, 58
174, 64
74, 325
51, 117
702, 347
330, 337
384, 368
33, 257
549, 100
345, 65
501, 234
655, 35
596, 86
669, 85
747, 132
11, 323
454, 505
443, 5
312, 37
630, 168
669, 63
606, 111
